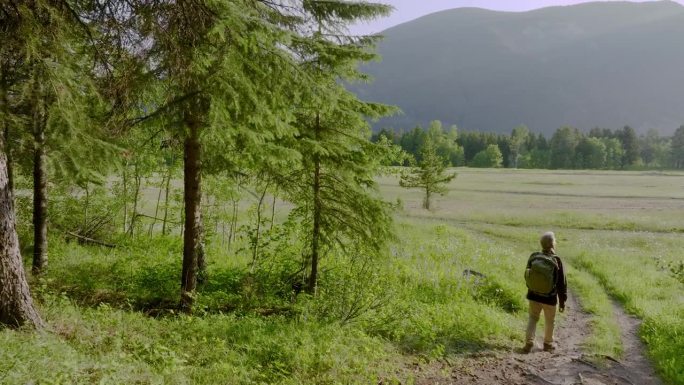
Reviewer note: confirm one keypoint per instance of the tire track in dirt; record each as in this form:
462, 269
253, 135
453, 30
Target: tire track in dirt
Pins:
566, 366
640, 369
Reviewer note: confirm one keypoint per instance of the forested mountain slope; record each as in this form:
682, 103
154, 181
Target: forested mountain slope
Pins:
594, 64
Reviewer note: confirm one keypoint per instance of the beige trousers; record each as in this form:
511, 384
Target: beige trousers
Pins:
549, 317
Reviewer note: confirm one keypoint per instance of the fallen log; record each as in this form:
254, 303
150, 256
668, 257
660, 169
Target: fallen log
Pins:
90, 240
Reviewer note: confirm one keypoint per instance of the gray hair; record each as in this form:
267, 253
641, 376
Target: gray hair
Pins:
548, 241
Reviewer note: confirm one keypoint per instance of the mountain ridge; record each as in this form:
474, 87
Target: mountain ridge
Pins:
604, 64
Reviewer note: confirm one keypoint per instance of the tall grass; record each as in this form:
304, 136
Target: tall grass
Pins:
111, 319
631, 275
108, 346
111, 311
605, 338
621, 230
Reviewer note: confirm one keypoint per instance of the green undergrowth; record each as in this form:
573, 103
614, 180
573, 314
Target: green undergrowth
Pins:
111, 314
454, 311
109, 346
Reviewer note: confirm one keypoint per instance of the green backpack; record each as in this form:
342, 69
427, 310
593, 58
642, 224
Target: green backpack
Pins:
540, 275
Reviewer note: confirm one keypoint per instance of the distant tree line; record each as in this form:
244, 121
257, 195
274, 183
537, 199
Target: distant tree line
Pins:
568, 148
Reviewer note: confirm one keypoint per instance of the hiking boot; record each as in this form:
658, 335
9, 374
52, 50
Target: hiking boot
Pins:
528, 347
549, 347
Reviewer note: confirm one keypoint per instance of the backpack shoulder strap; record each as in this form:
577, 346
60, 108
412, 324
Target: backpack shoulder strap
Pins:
556, 260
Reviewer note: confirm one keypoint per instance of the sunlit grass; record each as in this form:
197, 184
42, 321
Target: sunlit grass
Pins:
605, 338
627, 269
619, 231
616, 233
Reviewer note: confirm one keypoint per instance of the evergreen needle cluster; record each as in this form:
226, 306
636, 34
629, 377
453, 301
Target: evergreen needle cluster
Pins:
431, 174
239, 89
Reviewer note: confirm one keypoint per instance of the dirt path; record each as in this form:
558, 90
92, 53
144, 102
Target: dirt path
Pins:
567, 365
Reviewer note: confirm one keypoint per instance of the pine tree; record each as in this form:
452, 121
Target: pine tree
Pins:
630, 145
16, 305
55, 102
430, 175
677, 148
228, 87
333, 186
563, 145
519, 137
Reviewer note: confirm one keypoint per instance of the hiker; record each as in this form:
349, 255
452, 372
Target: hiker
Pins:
547, 287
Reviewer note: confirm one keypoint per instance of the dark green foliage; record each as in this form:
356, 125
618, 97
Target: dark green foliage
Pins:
412, 141
332, 184
569, 148
490, 292
590, 154
488, 158
475, 142
654, 150
230, 81
446, 143
445, 140
431, 175
519, 138
563, 145
53, 106
630, 146
678, 148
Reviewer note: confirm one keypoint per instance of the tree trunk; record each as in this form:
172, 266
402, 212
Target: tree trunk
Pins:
10, 165
156, 209
223, 224
85, 209
4, 109
192, 169
39, 189
515, 156
233, 222
428, 196
316, 231
201, 260
255, 246
16, 305
273, 210
317, 207
124, 181
166, 200
136, 197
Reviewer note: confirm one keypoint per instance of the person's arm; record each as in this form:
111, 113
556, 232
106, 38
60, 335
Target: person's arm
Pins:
561, 286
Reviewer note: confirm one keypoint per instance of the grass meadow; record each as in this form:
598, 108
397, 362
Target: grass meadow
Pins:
111, 320
619, 232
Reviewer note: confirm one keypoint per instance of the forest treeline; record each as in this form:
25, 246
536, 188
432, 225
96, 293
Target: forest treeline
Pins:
568, 148
231, 96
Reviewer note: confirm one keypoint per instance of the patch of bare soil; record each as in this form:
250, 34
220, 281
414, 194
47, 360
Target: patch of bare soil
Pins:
567, 365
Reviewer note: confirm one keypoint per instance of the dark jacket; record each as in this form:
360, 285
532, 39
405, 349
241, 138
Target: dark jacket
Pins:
560, 293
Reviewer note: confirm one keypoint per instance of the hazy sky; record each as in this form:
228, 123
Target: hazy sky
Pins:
406, 10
